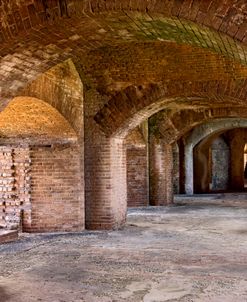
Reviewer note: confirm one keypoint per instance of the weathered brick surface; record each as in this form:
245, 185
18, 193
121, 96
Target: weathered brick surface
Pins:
137, 178
8, 235
15, 201
131, 100
41, 190
220, 163
57, 194
171, 125
24, 60
203, 135
134, 58
22, 163
161, 172
35, 122
18, 16
8, 198
237, 140
176, 168
137, 167
61, 87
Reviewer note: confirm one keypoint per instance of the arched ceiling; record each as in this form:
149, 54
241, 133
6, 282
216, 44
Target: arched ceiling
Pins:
81, 34
171, 125
224, 16
29, 120
194, 50
113, 68
125, 110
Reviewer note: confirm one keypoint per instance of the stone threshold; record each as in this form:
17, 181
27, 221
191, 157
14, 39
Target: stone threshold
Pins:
8, 235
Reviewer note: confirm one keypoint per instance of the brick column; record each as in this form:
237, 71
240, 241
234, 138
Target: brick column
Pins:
237, 164
106, 194
161, 172
176, 174
201, 168
181, 146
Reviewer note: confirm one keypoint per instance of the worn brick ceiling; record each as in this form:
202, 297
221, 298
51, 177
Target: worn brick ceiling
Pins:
172, 45
33, 120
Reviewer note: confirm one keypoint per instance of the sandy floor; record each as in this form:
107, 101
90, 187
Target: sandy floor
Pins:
189, 252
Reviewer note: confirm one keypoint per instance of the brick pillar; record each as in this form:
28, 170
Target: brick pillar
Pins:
236, 164
161, 172
106, 194
176, 176
202, 167
181, 146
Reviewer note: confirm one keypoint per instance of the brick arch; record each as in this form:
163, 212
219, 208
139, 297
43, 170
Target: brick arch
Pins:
56, 42
129, 108
133, 105
62, 88
36, 122
171, 127
39, 149
87, 29
200, 133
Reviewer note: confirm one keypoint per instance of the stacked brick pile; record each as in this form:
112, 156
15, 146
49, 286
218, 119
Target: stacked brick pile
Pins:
7, 198
14, 186
22, 161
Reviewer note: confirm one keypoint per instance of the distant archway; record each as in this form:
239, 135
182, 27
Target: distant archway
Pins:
197, 135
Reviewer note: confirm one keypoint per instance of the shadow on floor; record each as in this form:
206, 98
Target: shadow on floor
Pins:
4, 297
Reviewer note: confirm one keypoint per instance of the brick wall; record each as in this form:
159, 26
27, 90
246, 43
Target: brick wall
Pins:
22, 165
56, 190
8, 199
146, 73
137, 166
161, 172
137, 185
41, 188
15, 204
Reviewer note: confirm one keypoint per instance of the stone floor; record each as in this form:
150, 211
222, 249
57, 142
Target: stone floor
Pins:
194, 251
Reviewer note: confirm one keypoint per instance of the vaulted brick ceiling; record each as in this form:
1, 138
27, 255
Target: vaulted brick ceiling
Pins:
33, 119
194, 50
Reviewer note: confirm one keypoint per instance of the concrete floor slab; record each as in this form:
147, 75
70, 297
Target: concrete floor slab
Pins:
190, 252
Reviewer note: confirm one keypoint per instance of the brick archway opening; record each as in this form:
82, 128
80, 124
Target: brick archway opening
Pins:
39, 163
136, 104
200, 142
